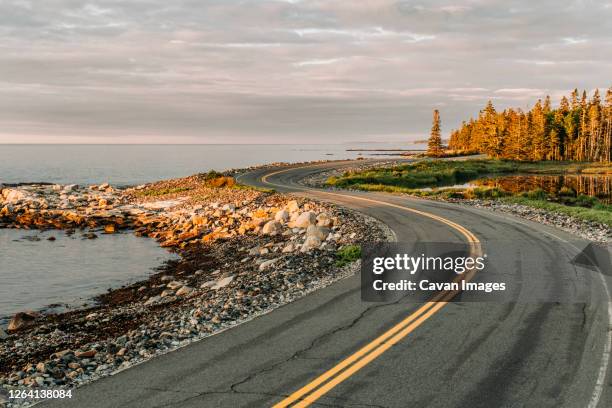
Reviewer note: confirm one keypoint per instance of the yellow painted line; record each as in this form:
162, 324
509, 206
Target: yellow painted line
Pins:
366, 360
378, 346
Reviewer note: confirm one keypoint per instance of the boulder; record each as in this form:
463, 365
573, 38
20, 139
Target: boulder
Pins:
71, 187
185, 290
22, 320
304, 220
317, 231
281, 216
292, 206
166, 293
288, 248
311, 242
3, 334
272, 228
12, 196
324, 220
174, 285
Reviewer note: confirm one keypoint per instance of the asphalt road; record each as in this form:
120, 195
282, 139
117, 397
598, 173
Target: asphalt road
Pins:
457, 354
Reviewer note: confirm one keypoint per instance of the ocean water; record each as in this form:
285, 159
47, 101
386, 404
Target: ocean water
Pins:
137, 164
36, 272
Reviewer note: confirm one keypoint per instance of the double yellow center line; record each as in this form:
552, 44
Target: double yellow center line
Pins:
321, 385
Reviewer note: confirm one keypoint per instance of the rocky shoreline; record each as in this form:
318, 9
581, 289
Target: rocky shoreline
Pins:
242, 253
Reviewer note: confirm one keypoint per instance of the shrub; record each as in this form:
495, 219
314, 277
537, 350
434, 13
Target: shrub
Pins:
586, 201
537, 194
348, 254
488, 193
567, 192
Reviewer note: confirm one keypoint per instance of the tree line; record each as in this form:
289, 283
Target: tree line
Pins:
578, 129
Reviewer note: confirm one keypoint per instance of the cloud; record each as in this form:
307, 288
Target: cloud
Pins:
317, 62
284, 70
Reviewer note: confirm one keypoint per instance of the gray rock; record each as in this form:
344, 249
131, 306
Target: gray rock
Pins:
317, 231
166, 293
281, 216
208, 284
185, 290
311, 242
175, 285
223, 282
324, 220
272, 228
255, 250
266, 264
152, 300
292, 206
304, 220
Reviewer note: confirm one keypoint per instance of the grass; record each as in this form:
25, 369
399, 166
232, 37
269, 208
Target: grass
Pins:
411, 178
161, 191
565, 167
347, 254
600, 213
239, 186
426, 173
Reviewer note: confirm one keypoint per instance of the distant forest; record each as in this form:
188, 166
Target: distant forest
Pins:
578, 129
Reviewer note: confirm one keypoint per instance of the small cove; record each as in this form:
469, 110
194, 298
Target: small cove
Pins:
36, 272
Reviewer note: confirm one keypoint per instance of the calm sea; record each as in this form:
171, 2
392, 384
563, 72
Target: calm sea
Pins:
35, 272
137, 164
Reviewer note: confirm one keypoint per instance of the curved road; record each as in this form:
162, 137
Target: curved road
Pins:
331, 349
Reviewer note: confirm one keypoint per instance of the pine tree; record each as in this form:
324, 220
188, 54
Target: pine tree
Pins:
579, 129
434, 146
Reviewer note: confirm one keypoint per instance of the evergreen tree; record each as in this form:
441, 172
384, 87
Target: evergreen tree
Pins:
434, 146
579, 129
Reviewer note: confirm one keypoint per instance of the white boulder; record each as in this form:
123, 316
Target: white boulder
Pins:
311, 242
304, 220
292, 206
324, 220
281, 216
272, 228
317, 231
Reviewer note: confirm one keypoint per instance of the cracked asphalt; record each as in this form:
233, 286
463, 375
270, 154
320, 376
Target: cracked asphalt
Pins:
469, 354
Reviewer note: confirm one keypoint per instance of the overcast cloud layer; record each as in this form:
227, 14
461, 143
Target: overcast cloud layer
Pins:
289, 71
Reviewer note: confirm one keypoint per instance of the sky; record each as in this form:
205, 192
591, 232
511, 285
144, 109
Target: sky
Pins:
223, 71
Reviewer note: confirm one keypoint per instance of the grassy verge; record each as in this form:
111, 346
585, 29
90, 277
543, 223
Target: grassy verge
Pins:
599, 213
412, 178
239, 186
156, 192
427, 173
